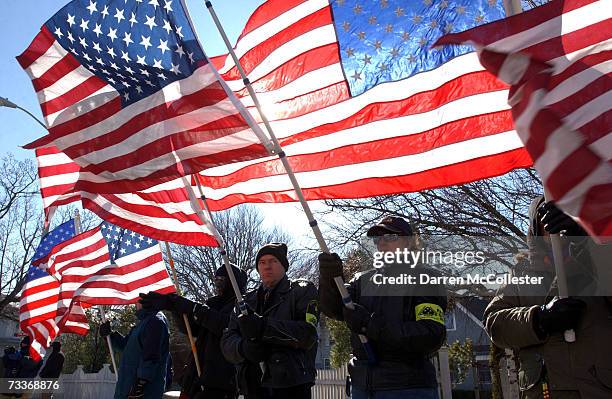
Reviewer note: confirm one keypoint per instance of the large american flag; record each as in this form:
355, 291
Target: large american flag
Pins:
558, 59
163, 212
129, 95
106, 266
40, 296
362, 104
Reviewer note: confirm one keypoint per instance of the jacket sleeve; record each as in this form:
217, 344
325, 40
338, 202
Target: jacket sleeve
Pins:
425, 334
179, 321
153, 335
508, 324
118, 341
301, 332
231, 340
215, 321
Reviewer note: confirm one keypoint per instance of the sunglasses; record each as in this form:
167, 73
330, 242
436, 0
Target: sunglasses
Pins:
386, 238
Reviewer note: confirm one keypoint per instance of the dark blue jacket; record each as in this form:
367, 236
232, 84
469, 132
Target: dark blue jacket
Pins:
145, 352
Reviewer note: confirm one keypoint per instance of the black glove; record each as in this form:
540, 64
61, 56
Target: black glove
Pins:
201, 312
155, 300
105, 329
330, 265
137, 391
357, 319
558, 315
252, 351
251, 325
182, 305
555, 221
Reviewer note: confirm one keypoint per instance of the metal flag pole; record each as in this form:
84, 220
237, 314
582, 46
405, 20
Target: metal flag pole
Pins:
346, 298
77, 230
185, 318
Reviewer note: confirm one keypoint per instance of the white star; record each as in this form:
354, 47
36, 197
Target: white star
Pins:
149, 241
112, 34
105, 12
146, 42
96, 47
70, 20
147, 81
114, 66
126, 96
145, 72
168, 5
175, 69
133, 20
129, 69
154, 3
97, 30
86, 56
127, 39
141, 60
119, 15
123, 251
179, 51
150, 21
99, 61
139, 89
92, 7
84, 24
58, 33
111, 52
83, 42
117, 229
190, 55
70, 37
125, 56
128, 242
137, 245
157, 64
167, 27
163, 46
162, 76
178, 32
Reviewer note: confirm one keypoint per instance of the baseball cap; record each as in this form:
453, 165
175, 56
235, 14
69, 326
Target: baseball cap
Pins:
391, 224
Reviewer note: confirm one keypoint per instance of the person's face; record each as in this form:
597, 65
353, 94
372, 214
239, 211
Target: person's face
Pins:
220, 283
390, 242
271, 271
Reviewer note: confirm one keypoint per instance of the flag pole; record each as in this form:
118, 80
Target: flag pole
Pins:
185, 318
346, 298
77, 230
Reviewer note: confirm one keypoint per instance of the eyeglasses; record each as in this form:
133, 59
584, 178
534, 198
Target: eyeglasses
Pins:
386, 238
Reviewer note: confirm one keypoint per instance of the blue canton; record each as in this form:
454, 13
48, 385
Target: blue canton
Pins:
123, 242
389, 40
136, 46
60, 234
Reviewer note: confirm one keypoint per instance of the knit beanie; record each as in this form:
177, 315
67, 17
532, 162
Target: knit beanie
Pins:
276, 249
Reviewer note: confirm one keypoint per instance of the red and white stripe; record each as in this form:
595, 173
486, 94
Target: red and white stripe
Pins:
448, 126
558, 59
163, 212
185, 127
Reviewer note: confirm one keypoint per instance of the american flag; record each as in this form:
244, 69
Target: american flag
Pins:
362, 104
40, 295
107, 265
163, 212
557, 58
129, 95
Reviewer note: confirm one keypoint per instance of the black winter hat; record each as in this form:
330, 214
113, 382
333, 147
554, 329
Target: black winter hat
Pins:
241, 277
276, 249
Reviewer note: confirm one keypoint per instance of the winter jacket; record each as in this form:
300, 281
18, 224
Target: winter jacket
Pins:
218, 373
11, 361
144, 355
407, 327
28, 367
290, 336
53, 366
580, 370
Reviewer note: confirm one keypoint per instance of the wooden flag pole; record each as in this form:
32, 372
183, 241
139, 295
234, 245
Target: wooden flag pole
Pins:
185, 318
77, 230
346, 298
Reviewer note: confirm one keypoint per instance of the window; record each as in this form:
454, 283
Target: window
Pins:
449, 320
326, 364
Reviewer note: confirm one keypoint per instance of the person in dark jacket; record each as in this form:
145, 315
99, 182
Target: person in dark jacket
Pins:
274, 345
145, 351
28, 367
11, 361
207, 322
55, 363
404, 325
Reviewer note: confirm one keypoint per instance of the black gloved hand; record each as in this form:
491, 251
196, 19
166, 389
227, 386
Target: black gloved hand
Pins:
330, 265
251, 325
201, 312
137, 391
155, 300
252, 351
558, 315
182, 305
105, 329
555, 221
357, 319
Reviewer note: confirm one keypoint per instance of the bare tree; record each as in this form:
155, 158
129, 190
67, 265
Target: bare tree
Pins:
244, 233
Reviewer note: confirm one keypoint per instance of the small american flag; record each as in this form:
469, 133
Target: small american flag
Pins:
129, 95
163, 212
107, 265
557, 58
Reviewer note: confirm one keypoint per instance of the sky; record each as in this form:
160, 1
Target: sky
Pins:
20, 21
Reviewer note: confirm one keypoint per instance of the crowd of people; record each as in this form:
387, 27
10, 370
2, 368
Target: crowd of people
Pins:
265, 347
